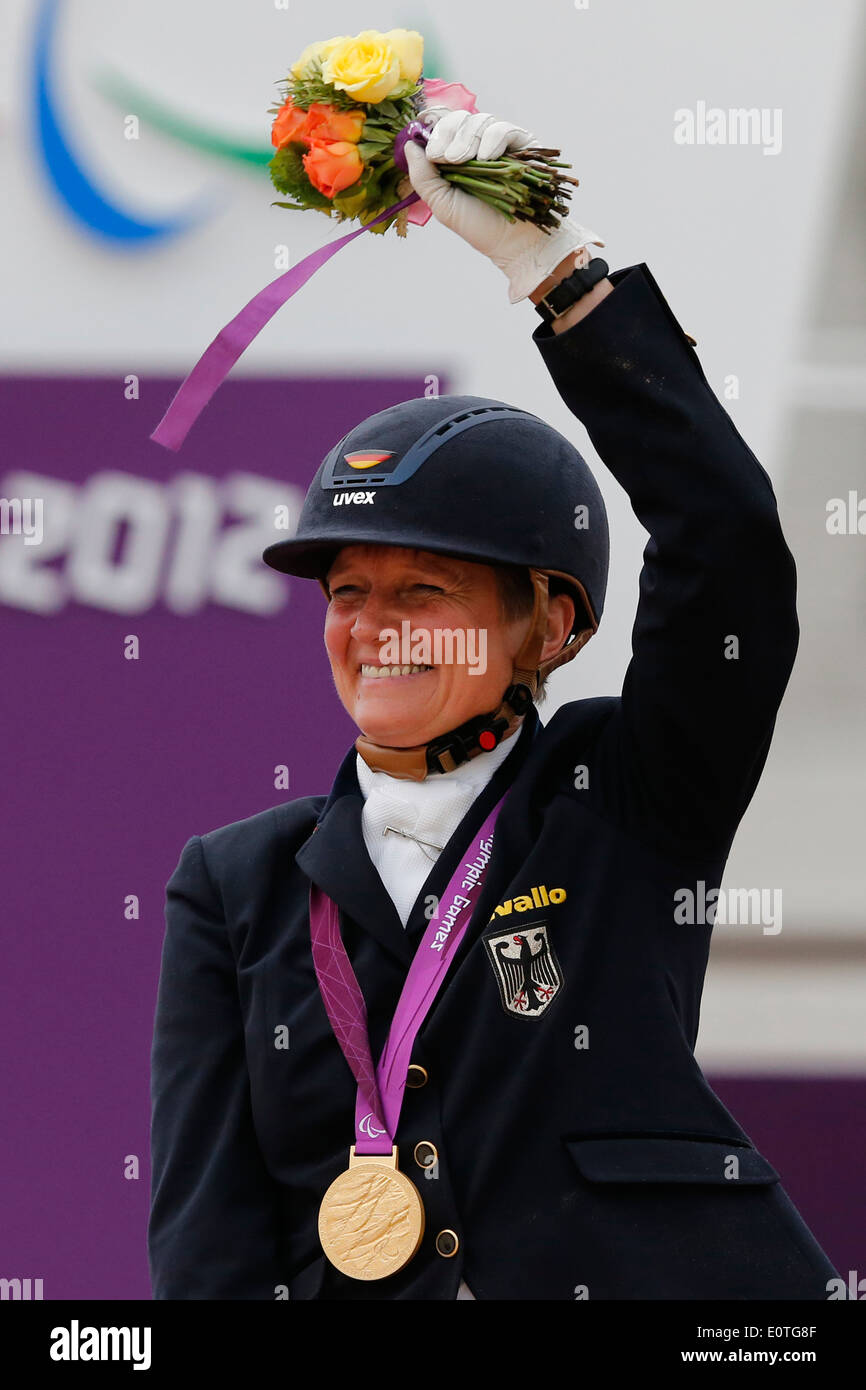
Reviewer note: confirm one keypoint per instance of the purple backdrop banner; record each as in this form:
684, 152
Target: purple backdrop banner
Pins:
109, 764
155, 676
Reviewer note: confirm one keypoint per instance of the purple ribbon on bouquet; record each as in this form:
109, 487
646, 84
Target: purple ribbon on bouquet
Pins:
231, 342
380, 1089
415, 130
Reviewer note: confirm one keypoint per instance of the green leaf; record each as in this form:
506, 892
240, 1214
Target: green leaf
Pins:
377, 134
286, 167
350, 201
288, 175
305, 90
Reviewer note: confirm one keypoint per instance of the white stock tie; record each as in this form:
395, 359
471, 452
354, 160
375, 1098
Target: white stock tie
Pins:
427, 813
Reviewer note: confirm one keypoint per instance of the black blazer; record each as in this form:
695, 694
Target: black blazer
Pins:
581, 1151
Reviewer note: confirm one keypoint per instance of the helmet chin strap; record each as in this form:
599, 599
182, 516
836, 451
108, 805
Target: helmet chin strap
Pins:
483, 732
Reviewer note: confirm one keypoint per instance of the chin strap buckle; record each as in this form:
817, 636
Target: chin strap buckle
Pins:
480, 734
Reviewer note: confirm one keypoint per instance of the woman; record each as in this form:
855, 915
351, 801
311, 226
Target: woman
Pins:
486, 908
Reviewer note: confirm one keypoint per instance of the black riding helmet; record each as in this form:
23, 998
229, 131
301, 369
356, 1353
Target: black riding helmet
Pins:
477, 479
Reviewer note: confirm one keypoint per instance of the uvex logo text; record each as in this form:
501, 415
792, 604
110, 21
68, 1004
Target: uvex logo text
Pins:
343, 499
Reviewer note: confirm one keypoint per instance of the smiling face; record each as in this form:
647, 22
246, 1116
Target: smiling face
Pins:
379, 588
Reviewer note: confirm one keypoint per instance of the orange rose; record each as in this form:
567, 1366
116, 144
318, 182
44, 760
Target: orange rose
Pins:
327, 123
333, 166
290, 123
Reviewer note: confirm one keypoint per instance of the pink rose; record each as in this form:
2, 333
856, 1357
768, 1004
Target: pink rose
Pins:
457, 98
451, 94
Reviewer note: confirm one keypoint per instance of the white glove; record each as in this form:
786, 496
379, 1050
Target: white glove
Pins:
459, 135
526, 254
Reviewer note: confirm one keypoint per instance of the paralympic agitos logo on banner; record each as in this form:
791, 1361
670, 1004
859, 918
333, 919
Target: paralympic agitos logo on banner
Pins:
83, 195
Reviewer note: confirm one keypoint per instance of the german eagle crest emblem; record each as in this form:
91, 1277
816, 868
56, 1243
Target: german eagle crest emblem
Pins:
526, 969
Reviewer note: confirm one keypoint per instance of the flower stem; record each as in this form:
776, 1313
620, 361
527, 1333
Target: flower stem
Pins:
491, 186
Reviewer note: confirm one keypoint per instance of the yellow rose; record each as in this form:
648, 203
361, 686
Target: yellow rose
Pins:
366, 67
320, 49
408, 44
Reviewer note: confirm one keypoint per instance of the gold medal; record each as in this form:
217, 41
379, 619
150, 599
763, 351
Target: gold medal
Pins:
371, 1220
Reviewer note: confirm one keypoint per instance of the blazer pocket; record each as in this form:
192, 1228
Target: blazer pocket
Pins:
669, 1158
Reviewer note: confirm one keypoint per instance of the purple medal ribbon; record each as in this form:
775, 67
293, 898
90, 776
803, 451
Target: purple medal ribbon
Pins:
380, 1090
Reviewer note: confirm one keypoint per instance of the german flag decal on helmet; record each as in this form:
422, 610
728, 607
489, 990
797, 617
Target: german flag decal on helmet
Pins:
340, 470
376, 465
367, 458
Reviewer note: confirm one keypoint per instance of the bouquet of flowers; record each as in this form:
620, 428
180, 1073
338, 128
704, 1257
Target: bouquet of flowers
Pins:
348, 107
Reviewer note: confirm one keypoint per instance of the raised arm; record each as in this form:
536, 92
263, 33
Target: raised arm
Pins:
716, 630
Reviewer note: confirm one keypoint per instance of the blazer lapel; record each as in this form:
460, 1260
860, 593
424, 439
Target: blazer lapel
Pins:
336, 859
335, 856
471, 823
